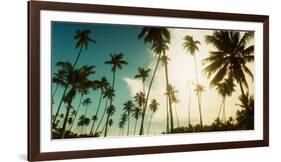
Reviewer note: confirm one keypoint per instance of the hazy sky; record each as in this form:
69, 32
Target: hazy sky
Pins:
117, 38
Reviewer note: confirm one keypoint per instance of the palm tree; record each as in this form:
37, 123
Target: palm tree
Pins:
245, 117
110, 112
128, 107
165, 60
158, 38
137, 112
174, 100
82, 40
94, 119
102, 84
233, 53
80, 123
59, 79
154, 105
67, 69
224, 89
121, 125
142, 74
110, 123
77, 79
123, 120
191, 46
116, 61
109, 93
86, 102
140, 99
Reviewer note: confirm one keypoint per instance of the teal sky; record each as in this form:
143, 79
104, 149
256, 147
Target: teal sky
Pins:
110, 39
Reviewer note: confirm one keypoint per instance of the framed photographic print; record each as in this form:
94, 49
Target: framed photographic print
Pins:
111, 80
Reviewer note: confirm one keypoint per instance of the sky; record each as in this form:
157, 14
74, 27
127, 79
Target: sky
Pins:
124, 38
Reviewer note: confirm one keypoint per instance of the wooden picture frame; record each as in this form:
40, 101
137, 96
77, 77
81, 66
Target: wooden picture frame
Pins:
34, 10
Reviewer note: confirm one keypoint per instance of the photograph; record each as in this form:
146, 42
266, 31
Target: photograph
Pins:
113, 80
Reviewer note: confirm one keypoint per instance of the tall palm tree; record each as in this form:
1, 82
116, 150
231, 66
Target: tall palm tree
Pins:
191, 47
86, 102
59, 79
226, 88
116, 61
109, 93
102, 84
174, 100
137, 112
142, 74
78, 78
110, 112
82, 40
128, 107
158, 38
234, 51
94, 119
154, 106
165, 59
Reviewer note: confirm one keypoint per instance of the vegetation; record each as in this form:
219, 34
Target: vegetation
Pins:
227, 66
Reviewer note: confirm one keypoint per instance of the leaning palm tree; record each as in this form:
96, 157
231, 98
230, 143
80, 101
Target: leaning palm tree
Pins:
154, 106
191, 46
142, 74
110, 112
86, 102
226, 88
234, 51
82, 40
102, 84
137, 112
165, 59
128, 107
78, 78
158, 38
109, 93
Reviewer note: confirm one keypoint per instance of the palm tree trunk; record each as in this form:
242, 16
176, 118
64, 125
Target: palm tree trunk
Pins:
81, 98
149, 123
189, 107
58, 109
220, 107
102, 116
169, 97
86, 109
66, 87
57, 85
135, 126
167, 116
91, 131
128, 129
147, 96
198, 94
224, 112
66, 118
106, 125
177, 116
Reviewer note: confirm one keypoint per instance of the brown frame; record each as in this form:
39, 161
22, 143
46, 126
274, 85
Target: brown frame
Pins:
34, 8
